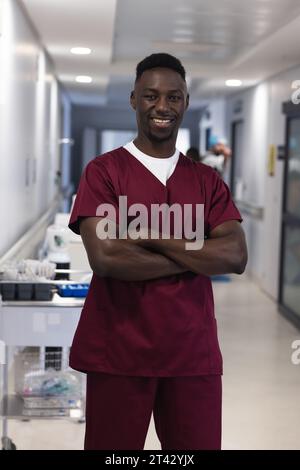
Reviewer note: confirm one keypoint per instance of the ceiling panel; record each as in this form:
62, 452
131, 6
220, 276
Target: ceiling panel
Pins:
223, 28
215, 39
63, 24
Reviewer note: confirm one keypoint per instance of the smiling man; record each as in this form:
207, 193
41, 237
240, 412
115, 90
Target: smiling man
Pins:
147, 336
160, 100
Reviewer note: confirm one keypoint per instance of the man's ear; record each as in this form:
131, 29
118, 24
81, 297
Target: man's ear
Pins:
133, 100
187, 101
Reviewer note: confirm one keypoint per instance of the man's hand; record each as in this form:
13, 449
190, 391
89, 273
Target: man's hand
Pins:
225, 251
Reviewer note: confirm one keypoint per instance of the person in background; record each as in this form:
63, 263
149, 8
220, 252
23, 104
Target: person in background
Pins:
147, 335
218, 154
194, 154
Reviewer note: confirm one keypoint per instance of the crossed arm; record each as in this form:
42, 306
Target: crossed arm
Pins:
224, 251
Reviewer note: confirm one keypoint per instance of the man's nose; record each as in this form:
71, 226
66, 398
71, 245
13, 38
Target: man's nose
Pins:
162, 104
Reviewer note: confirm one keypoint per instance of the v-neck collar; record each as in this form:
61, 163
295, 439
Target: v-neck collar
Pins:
139, 163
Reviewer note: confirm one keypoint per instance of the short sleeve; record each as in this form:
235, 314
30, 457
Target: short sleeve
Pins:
222, 207
95, 188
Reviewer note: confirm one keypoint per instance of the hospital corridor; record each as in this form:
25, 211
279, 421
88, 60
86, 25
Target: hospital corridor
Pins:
149, 225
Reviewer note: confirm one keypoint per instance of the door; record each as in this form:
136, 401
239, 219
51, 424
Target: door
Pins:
289, 296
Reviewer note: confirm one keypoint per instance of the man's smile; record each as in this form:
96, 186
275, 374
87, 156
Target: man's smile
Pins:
162, 122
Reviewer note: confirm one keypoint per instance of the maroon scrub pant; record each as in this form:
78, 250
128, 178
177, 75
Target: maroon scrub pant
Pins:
187, 412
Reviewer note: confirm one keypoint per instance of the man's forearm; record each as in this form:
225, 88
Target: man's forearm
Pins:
125, 260
217, 256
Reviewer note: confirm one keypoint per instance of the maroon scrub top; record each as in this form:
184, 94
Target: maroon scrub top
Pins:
163, 327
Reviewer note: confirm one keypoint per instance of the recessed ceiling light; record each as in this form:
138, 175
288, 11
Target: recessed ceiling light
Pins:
233, 82
81, 50
83, 79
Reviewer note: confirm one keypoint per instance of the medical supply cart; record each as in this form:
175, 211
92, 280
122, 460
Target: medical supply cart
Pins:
36, 336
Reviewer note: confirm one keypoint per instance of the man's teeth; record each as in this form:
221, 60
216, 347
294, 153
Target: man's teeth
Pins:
161, 120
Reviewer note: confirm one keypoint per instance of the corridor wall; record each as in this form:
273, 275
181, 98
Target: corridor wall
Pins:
29, 126
260, 109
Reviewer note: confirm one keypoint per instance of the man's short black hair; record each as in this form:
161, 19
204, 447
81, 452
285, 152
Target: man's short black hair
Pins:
160, 59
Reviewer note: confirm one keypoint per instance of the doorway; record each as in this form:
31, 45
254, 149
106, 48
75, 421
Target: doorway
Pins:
289, 286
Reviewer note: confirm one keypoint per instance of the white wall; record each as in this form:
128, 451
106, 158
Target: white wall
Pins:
1, 9
29, 126
255, 115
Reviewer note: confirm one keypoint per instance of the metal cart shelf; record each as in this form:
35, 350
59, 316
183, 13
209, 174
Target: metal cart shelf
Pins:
38, 324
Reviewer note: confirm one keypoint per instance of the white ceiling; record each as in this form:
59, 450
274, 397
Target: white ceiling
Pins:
215, 39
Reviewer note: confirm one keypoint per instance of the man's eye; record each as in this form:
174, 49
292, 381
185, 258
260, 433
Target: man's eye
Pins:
174, 98
150, 97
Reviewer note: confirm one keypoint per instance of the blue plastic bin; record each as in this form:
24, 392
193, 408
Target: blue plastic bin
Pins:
73, 290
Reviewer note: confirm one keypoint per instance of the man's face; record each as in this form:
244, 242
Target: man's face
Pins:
160, 99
